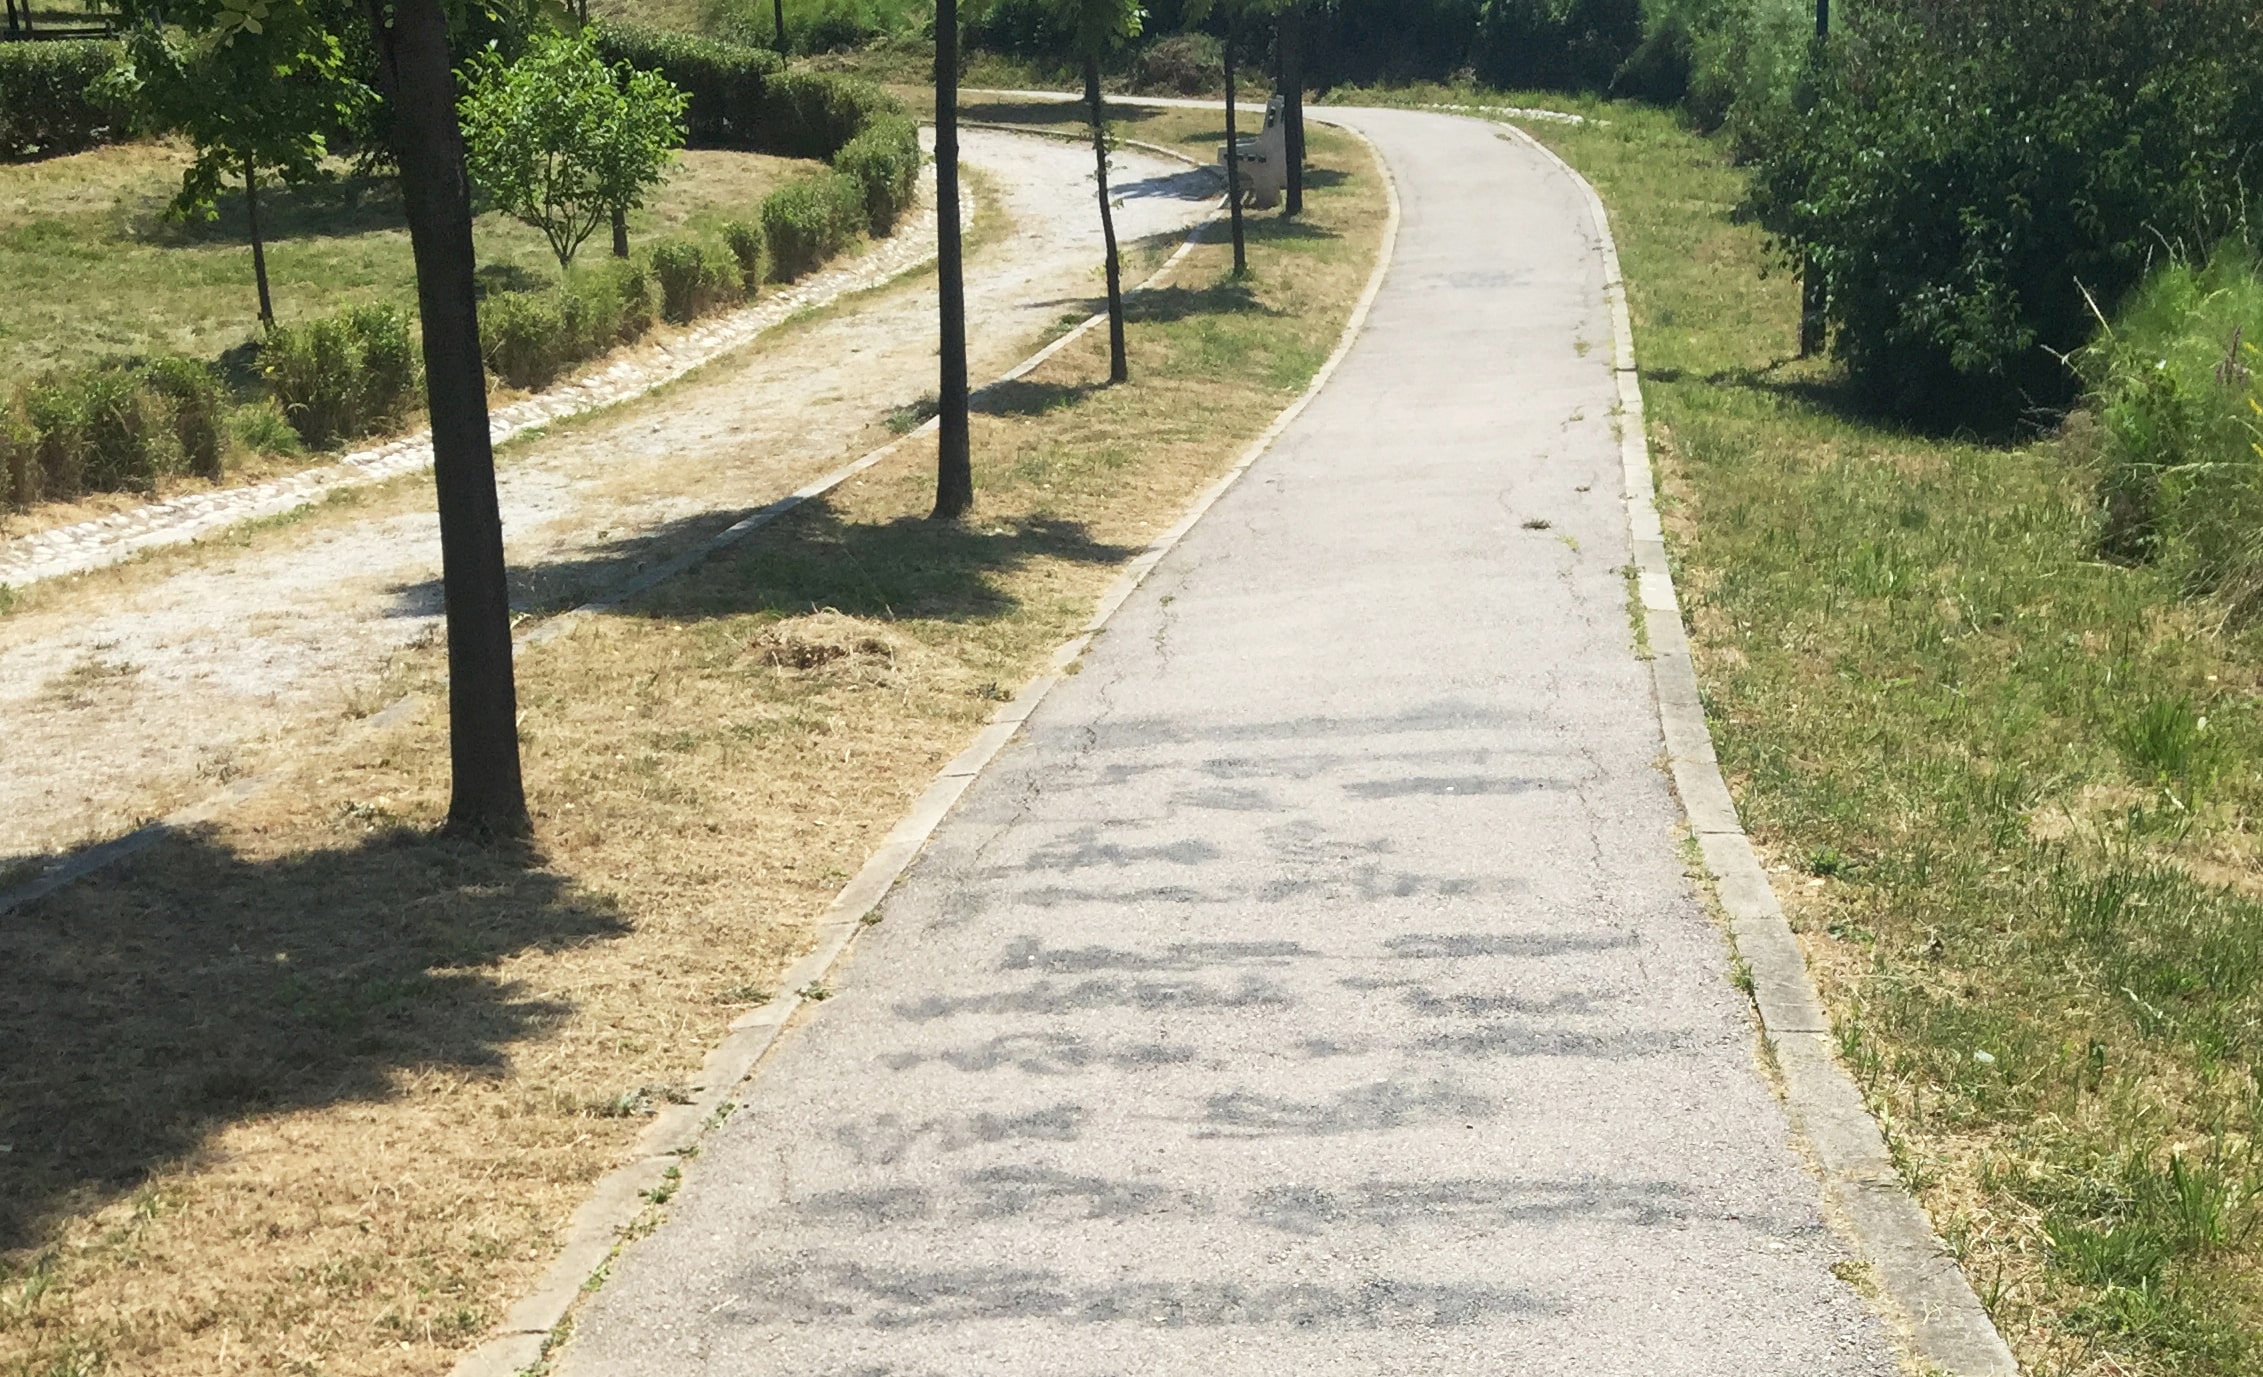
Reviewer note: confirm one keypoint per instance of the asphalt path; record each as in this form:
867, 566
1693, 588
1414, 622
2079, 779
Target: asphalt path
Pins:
1317, 986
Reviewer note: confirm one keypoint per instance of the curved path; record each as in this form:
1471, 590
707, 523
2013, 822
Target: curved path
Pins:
1315, 988
143, 690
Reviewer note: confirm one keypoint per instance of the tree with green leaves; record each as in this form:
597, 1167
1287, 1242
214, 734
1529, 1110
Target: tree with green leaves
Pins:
954, 450
563, 142
1096, 28
258, 89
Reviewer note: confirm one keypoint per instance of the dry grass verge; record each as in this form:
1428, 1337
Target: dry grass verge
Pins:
311, 1092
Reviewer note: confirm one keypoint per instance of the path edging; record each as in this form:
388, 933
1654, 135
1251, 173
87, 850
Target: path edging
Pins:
1929, 1297
619, 1197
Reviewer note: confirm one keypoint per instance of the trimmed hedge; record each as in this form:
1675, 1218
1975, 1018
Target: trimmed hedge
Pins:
695, 279
883, 161
344, 376
529, 338
745, 243
814, 115
810, 219
53, 98
112, 426
727, 82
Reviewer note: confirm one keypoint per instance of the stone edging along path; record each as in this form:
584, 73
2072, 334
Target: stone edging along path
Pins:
1941, 1318
88, 545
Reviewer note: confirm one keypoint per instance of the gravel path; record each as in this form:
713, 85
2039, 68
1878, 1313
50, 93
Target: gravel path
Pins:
121, 703
1315, 988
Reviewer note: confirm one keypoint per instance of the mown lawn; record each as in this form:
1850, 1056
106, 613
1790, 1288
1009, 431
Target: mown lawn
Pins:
2009, 790
94, 266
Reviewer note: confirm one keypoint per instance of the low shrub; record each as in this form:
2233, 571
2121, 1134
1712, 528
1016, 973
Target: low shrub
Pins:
19, 457
745, 243
54, 98
694, 279
2172, 385
198, 402
1183, 64
343, 376
810, 219
261, 428
103, 428
530, 338
883, 161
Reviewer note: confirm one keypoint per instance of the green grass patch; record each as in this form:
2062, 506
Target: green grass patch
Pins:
2012, 788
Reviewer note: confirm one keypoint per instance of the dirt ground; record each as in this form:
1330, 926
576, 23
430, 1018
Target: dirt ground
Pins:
144, 689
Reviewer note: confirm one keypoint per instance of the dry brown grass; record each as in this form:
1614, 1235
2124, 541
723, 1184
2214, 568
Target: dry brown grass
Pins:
311, 1091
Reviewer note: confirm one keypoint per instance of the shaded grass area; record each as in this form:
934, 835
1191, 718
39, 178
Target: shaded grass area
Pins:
95, 268
2009, 789
352, 1081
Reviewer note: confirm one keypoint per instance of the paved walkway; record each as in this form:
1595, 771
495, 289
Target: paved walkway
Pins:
1315, 988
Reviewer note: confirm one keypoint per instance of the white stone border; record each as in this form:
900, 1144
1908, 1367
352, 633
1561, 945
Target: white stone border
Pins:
620, 1196
1942, 1320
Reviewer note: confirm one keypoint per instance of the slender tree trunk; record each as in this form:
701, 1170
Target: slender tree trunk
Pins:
1813, 303
12, 30
258, 249
1119, 362
954, 453
1234, 166
778, 17
418, 82
1292, 111
620, 233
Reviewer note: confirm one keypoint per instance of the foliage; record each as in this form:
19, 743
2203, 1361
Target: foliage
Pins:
264, 97
54, 98
815, 114
1963, 174
197, 402
723, 82
2180, 414
530, 338
819, 26
883, 160
810, 219
1185, 64
102, 428
745, 243
342, 376
562, 141
695, 278
1731, 64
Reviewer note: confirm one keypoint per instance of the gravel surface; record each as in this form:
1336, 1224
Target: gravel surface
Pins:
1316, 987
139, 693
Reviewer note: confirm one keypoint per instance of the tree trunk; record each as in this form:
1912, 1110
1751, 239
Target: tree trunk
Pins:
1292, 111
12, 30
1119, 362
620, 233
778, 15
1234, 167
954, 453
258, 249
418, 82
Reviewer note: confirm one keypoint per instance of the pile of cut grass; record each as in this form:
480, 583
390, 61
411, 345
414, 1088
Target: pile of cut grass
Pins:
2010, 791
312, 1091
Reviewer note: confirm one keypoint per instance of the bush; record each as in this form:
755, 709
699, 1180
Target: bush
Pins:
814, 115
726, 81
344, 376
262, 428
197, 402
745, 243
102, 428
809, 220
695, 278
2180, 416
1184, 64
19, 457
1557, 44
54, 98
1967, 171
530, 338
884, 163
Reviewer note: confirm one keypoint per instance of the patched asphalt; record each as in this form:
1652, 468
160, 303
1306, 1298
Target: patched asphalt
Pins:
1317, 985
